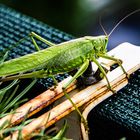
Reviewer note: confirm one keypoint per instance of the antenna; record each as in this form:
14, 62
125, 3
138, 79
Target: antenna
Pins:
102, 27
128, 15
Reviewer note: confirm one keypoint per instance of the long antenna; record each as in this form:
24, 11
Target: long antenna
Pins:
138, 10
102, 27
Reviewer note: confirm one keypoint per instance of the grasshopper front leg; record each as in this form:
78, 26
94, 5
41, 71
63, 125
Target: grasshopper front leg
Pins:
118, 61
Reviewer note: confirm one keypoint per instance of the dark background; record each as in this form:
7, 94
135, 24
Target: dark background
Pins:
81, 17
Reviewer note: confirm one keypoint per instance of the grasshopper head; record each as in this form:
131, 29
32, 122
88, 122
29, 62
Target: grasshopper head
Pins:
100, 44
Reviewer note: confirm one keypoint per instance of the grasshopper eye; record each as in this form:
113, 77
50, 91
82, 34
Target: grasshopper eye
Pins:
106, 39
105, 45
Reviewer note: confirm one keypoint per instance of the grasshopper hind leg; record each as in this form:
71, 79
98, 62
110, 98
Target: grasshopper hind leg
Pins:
33, 35
76, 75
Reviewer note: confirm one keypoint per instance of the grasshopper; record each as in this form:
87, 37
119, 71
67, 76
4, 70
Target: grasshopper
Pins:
60, 58
64, 57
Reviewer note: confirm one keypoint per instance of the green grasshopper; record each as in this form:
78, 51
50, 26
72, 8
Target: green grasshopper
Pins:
64, 57
60, 58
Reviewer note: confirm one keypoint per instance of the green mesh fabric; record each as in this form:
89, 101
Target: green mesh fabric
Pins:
119, 115
123, 108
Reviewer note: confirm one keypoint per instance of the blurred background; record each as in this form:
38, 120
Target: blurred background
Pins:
81, 17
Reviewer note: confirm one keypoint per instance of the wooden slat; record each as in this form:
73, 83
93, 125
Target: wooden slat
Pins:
35, 105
